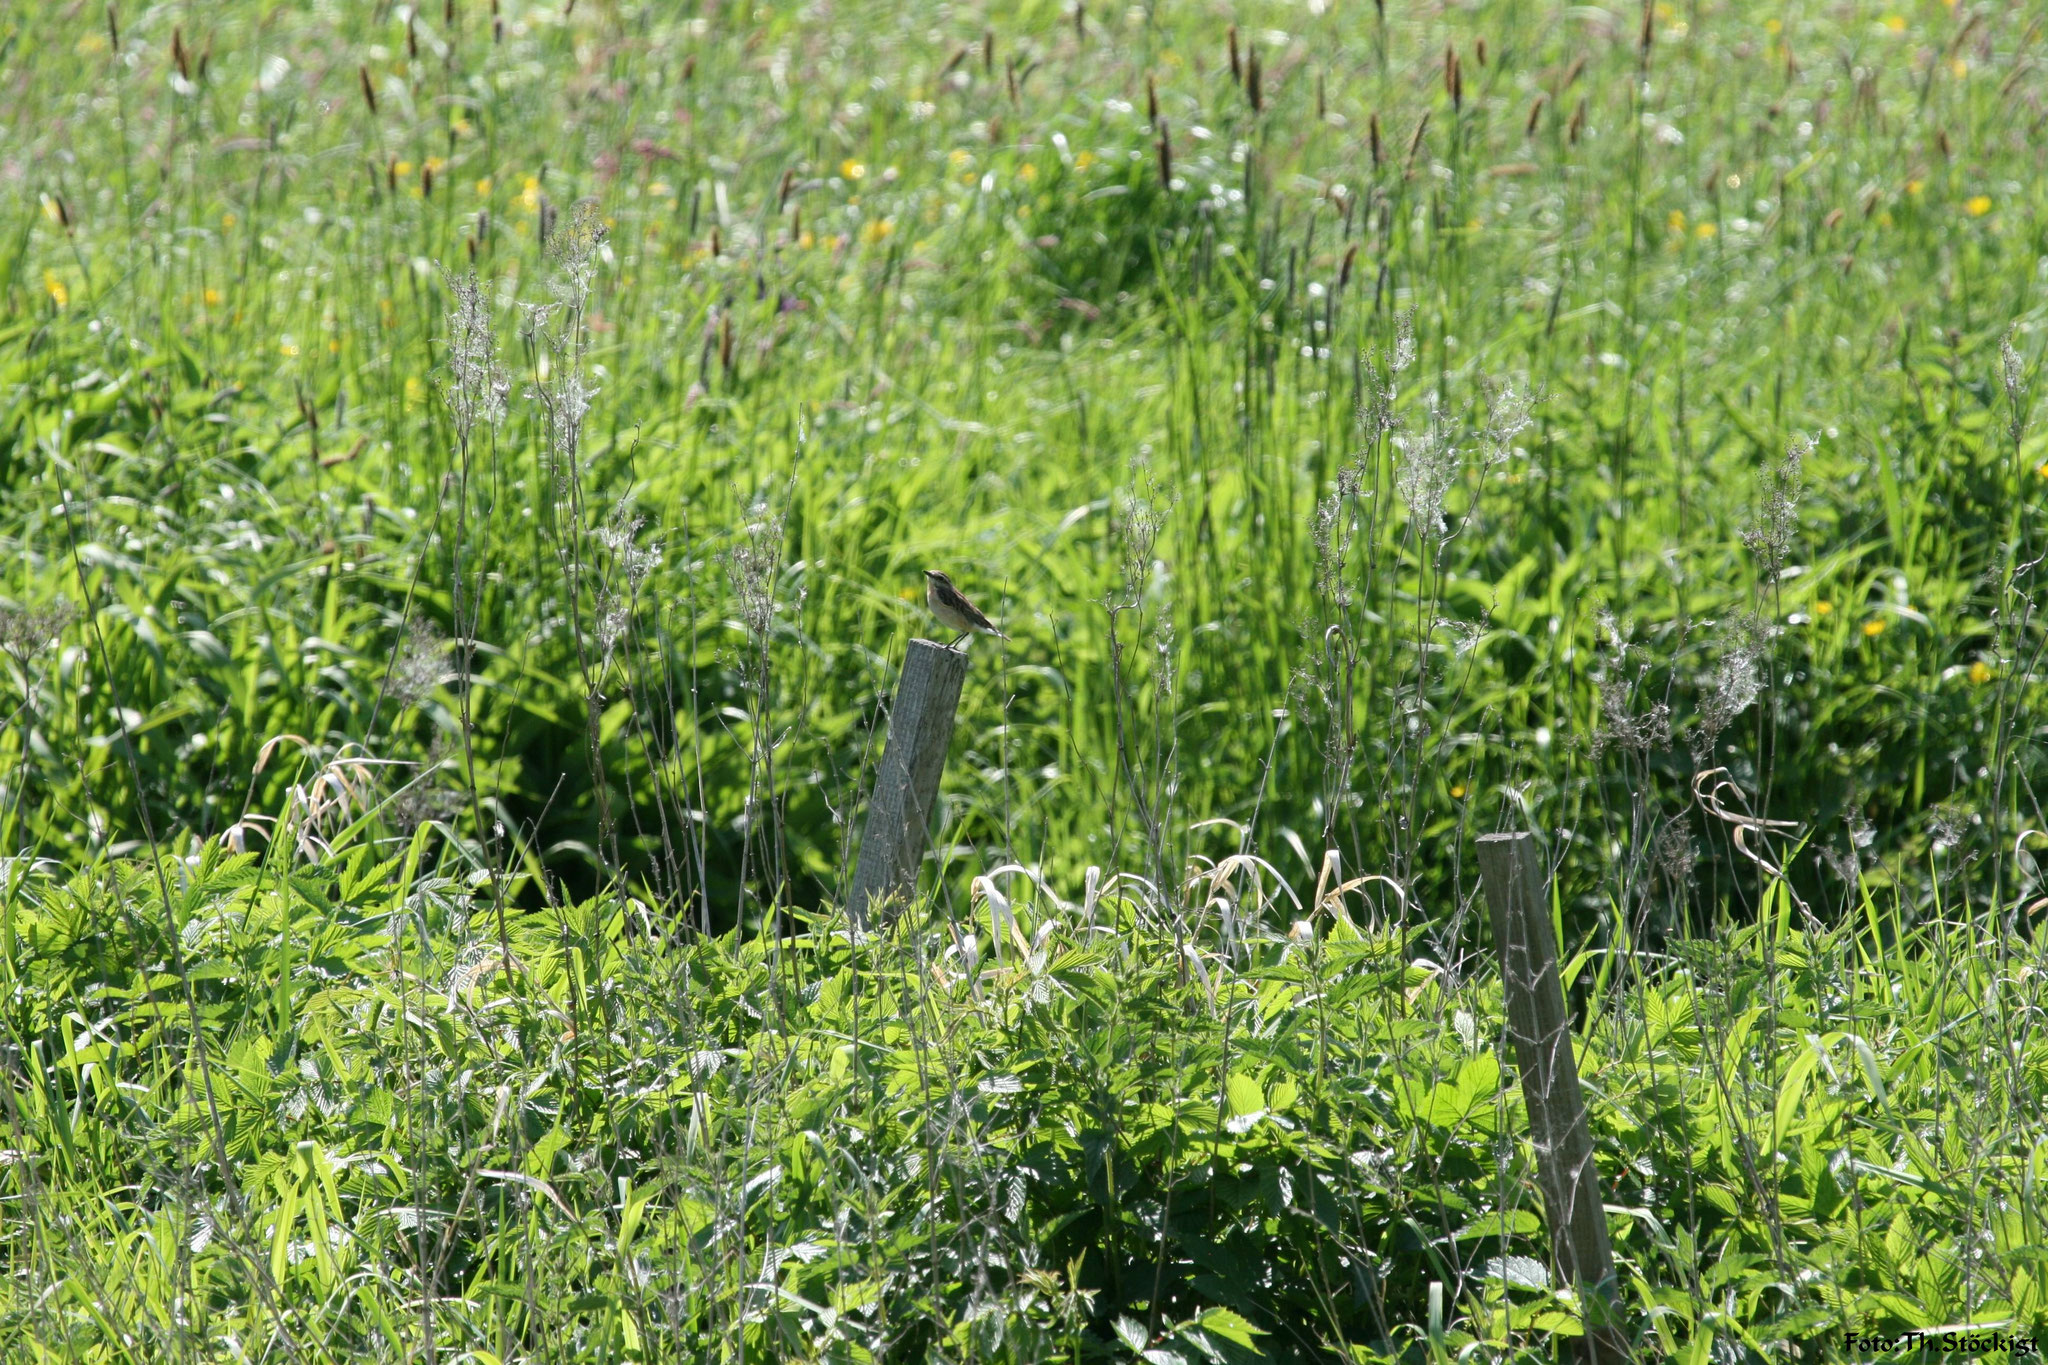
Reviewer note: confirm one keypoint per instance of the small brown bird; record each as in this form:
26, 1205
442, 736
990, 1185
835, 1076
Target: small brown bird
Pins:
954, 611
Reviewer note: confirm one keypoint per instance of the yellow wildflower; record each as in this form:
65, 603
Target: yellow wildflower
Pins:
56, 289
1895, 22
1774, 26
1704, 231
228, 221
1958, 68
1980, 673
483, 187
852, 170
1027, 172
286, 346
876, 229
529, 194
402, 168
1458, 791
1977, 205
212, 298
1676, 222
1873, 627
1823, 607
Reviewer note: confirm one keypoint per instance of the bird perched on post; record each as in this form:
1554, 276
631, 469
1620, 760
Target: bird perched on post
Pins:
954, 611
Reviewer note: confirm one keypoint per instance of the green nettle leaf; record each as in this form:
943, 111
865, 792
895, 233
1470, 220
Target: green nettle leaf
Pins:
1478, 1080
1131, 1333
1231, 1327
1522, 1272
1245, 1096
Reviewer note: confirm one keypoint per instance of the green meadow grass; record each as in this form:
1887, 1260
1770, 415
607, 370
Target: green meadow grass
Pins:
1373, 425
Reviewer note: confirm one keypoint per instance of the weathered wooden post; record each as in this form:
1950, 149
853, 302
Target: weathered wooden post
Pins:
907, 783
1517, 895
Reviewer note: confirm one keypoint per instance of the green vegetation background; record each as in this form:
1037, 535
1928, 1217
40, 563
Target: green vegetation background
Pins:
1373, 428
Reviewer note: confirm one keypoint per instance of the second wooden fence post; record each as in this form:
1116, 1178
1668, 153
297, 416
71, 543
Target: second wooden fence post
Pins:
1518, 896
907, 782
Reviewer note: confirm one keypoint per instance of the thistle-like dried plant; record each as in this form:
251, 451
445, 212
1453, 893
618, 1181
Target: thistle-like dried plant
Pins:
28, 631
1428, 466
1622, 727
2014, 374
1736, 682
420, 665
1778, 486
476, 383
